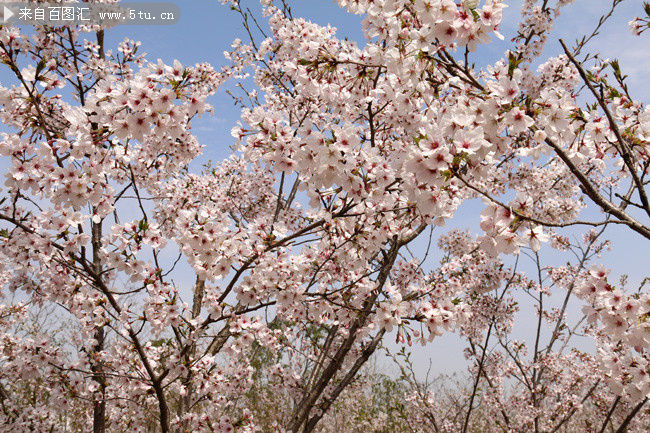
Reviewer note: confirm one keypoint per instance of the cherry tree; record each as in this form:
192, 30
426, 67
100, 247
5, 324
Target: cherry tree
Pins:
298, 243
141, 353
543, 381
515, 137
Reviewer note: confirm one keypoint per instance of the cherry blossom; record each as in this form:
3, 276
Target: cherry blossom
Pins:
280, 270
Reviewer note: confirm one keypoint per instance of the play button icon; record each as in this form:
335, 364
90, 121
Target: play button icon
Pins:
6, 14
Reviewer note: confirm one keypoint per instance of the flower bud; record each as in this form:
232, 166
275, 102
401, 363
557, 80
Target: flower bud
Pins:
539, 136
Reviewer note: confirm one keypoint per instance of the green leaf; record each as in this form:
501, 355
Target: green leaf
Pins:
40, 66
513, 63
143, 225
